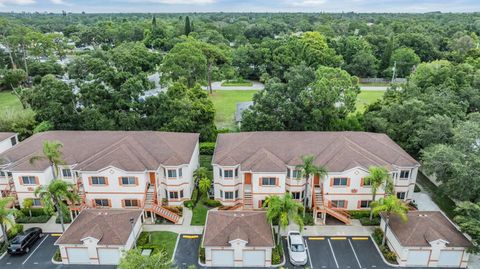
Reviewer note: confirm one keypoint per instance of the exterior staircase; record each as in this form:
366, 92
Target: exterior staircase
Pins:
235, 207
152, 206
319, 203
247, 197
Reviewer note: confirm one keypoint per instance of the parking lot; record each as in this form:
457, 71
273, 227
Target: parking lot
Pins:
40, 257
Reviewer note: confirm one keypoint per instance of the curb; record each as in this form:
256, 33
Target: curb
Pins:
381, 254
175, 249
284, 260
55, 262
3, 255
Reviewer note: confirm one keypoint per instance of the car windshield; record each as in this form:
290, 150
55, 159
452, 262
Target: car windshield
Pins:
17, 240
298, 248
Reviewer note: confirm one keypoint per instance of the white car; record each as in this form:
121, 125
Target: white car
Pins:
296, 248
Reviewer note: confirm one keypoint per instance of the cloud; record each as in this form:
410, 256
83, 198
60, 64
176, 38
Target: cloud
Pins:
307, 3
17, 2
58, 2
177, 2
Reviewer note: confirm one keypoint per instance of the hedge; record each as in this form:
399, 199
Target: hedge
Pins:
33, 219
212, 203
207, 148
358, 214
35, 212
14, 230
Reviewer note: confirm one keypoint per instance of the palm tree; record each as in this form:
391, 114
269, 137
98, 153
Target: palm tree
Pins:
5, 215
204, 185
52, 153
282, 209
200, 173
378, 176
54, 194
390, 205
307, 170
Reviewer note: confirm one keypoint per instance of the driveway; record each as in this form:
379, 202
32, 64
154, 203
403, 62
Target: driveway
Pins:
217, 85
40, 257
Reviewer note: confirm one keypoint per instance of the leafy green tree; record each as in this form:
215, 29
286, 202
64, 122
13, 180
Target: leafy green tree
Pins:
133, 259
204, 185
188, 26
51, 153
468, 218
377, 177
6, 212
14, 78
27, 204
387, 54
282, 209
307, 170
390, 206
405, 59
199, 173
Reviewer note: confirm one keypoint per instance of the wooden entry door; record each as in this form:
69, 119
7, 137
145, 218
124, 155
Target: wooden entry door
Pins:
316, 180
152, 178
248, 179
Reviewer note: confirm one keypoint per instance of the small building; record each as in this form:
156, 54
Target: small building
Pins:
99, 236
242, 106
238, 238
428, 239
7, 140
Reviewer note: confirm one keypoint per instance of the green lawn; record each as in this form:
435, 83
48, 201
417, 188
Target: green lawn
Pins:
161, 240
199, 214
367, 97
225, 103
376, 84
8, 101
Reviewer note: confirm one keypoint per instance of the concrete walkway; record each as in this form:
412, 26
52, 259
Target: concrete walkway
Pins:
373, 88
48, 227
180, 229
187, 216
217, 86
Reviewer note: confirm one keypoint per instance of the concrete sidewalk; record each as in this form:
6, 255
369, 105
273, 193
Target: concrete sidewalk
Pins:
48, 227
180, 229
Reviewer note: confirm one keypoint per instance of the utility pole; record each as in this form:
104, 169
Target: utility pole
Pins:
394, 69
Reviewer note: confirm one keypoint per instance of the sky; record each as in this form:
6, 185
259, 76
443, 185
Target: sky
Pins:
166, 6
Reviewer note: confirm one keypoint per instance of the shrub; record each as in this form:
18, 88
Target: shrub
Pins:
207, 148
195, 196
277, 254
14, 230
308, 219
201, 254
417, 188
389, 255
35, 212
142, 239
365, 221
189, 203
358, 214
378, 236
57, 256
212, 203
66, 219
33, 219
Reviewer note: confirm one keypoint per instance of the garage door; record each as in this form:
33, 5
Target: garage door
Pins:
78, 255
222, 258
254, 258
450, 258
418, 257
108, 256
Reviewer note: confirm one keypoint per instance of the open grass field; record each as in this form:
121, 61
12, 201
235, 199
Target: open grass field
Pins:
225, 104
161, 240
367, 97
8, 101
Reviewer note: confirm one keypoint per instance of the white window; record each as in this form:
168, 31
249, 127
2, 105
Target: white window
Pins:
99, 180
220, 172
229, 195
2, 174
181, 194
221, 194
29, 180
172, 173
102, 202
340, 181
131, 203
67, 173
128, 180
338, 203
405, 174
365, 204
236, 194
401, 195
295, 173
37, 202
269, 181
180, 172
173, 195
236, 172
228, 173
297, 195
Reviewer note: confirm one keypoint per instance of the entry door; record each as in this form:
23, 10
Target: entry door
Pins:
316, 180
152, 178
450, 258
418, 257
222, 258
248, 179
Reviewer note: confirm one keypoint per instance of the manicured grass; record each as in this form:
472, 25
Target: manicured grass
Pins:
237, 84
8, 101
161, 240
446, 204
199, 214
225, 103
367, 97
376, 84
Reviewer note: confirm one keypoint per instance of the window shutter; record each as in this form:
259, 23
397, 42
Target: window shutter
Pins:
362, 181
348, 182
220, 172
346, 204
21, 180
331, 182
359, 203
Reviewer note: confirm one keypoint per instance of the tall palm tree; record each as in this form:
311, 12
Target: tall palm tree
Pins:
51, 153
307, 170
390, 205
54, 194
377, 177
200, 173
5, 215
204, 185
282, 209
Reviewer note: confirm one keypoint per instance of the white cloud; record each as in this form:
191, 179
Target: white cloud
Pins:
58, 2
307, 3
16, 2
177, 2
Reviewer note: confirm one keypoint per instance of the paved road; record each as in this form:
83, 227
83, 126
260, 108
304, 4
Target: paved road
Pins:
40, 257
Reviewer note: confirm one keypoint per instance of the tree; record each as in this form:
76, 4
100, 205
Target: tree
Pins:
52, 154
204, 185
6, 213
387, 54
282, 209
405, 59
27, 204
308, 169
390, 206
188, 26
201, 172
133, 259
14, 78
377, 177
468, 218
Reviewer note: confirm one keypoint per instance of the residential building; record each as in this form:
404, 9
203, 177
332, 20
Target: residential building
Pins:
100, 236
248, 167
238, 239
111, 169
427, 239
7, 141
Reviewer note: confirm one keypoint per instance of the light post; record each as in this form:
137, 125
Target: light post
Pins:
132, 222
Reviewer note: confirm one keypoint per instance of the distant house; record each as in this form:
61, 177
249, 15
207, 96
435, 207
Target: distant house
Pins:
428, 239
242, 106
7, 140
238, 239
99, 236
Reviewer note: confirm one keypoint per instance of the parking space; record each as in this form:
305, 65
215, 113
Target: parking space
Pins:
187, 251
40, 257
341, 253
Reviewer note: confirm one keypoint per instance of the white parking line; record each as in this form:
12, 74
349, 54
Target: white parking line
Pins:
308, 253
333, 252
46, 236
355, 253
